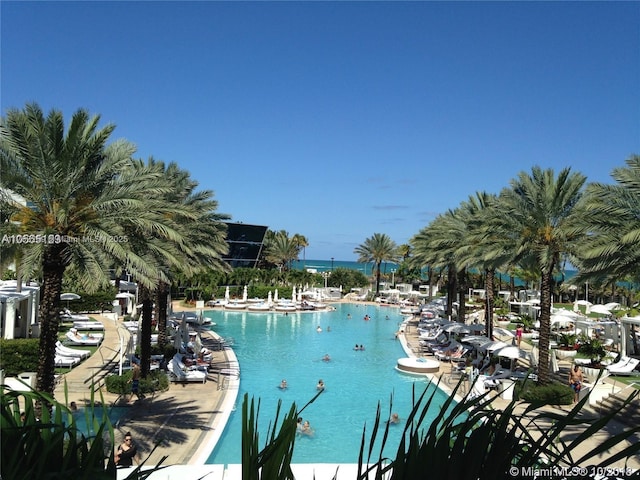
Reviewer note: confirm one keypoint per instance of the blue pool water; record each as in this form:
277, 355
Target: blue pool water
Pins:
272, 346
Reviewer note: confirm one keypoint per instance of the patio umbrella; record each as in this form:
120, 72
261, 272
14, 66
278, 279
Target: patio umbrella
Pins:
600, 309
275, 296
226, 294
293, 294
562, 320
456, 328
476, 327
244, 294
197, 345
495, 345
69, 297
511, 352
269, 299
503, 332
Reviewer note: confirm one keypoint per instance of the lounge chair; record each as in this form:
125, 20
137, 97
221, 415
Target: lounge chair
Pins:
625, 366
181, 373
61, 361
93, 339
67, 315
71, 352
87, 325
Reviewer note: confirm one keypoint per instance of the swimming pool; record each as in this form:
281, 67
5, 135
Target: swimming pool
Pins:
274, 346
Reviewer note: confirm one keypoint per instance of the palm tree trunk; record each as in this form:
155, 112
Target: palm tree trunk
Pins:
451, 288
161, 313
489, 301
145, 331
52, 273
544, 373
378, 278
461, 285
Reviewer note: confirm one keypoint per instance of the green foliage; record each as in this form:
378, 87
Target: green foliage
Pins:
19, 355
347, 278
468, 440
156, 381
52, 447
550, 394
592, 348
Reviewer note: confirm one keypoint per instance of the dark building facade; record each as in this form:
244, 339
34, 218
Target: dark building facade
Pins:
245, 244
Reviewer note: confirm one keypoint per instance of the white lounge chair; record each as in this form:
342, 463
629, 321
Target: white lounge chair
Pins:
93, 339
625, 366
87, 325
71, 352
66, 361
67, 315
181, 373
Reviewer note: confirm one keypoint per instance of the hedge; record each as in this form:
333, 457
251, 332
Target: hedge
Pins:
19, 355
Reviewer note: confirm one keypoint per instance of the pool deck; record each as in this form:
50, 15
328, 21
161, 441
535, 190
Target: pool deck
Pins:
186, 420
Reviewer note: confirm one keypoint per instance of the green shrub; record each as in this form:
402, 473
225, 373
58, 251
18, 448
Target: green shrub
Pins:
551, 394
19, 355
156, 381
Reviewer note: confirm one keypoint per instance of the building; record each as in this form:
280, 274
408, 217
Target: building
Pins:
245, 244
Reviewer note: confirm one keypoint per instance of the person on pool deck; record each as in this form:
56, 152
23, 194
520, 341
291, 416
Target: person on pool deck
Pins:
127, 452
575, 381
320, 385
283, 384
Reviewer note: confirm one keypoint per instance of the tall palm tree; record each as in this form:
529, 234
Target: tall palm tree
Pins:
541, 218
192, 239
437, 245
77, 201
377, 249
302, 243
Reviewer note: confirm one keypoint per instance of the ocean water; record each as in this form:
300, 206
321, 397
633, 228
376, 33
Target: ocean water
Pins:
327, 265
386, 267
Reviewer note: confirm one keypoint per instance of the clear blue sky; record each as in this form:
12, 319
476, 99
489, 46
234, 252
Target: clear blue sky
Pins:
338, 120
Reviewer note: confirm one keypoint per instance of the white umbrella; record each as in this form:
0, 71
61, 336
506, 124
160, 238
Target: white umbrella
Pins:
68, 297
226, 294
275, 296
495, 345
476, 327
512, 352
244, 294
600, 309
197, 345
184, 329
456, 328
293, 294
503, 332
561, 320
300, 295
269, 299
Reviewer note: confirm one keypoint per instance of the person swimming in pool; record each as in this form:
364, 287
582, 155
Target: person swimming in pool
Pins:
283, 384
320, 385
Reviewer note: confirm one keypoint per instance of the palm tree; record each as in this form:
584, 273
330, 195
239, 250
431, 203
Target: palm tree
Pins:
377, 249
281, 249
77, 202
302, 243
436, 245
544, 221
192, 239
612, 250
